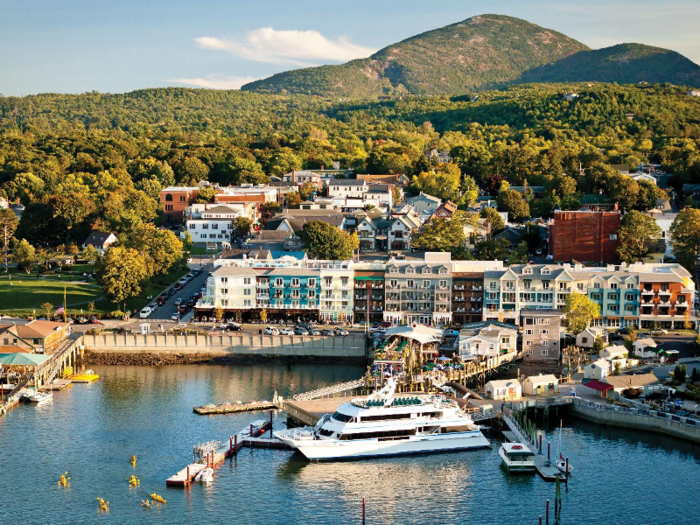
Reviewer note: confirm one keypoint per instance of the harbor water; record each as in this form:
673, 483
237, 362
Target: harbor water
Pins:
91, 431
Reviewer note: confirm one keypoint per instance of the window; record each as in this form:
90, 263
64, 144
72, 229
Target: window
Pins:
631, 286
443, 271
410, 283
629, 297
410, 270
528, 343
544, 343
579, 286
246, 280
529, 331
505, 340
246, 302
529, 321
544, 332
205, 226
443, 284
224, 291
544, 352
613, 286
183, 198
393, 269
168, 207
584, 340
541, 320
527, 271
279, 282
295, 282
613, 236
215, 226
224, 280
527, 284
312, 294
545, 285
426, 284
246, 291
311, 283
426, 270
224, 302
546, 271
168, 198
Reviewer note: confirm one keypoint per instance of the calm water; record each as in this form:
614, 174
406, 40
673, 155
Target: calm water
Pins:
91, 430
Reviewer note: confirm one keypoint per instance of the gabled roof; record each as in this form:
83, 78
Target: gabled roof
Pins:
346, 182
631, 381
542, 379
594, 384
378, 188
97, 238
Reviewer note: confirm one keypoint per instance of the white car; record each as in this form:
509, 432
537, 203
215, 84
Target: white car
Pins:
145, 312
286, 331
271, 331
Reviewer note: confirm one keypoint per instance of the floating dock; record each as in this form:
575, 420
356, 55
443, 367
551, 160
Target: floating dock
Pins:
233, 408
545, 468
56, 384
255, 436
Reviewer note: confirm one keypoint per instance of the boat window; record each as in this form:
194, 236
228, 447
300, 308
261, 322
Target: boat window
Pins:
386, 417
342, 418
396, 434
325, 432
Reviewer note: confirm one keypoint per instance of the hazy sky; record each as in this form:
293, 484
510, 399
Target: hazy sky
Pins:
73, 46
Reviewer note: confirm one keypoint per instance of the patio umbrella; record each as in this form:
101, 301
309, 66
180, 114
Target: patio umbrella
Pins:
19, 359
443, 358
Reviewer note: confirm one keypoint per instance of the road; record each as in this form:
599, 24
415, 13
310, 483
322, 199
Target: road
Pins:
166, 311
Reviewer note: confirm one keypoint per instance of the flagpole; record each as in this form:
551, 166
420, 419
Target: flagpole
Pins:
65, 305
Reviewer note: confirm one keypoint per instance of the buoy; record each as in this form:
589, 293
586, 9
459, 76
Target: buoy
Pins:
63, 480
104, 505
156, 497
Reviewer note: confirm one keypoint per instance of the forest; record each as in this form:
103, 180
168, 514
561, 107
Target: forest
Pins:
99, 160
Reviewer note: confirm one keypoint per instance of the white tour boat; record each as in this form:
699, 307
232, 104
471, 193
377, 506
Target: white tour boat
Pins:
384, 425
517, 457
34, 396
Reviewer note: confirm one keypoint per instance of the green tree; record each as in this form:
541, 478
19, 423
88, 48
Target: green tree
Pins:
242, 226
187, 242
24, 255
492, 249
685, 238
325, 241
48, 308
192, 171
598, 344
512, 202
306, 190
8, 226
580, 311
679, 373
519, 255
635, 235
293, 200
160, 249
121, 273
440, 235
396, 195
444, 183
206, 195
494, 220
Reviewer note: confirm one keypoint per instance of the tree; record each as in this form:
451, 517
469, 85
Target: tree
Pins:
48, 308
192, 171
443, 183
512, 202
242, 226
263, 315
293, 199
8, 226
440, 235
635, 235
187, 242
492, 249
121, 273
24, 255
580, 311
325, 241
598, 344
268, 209
617, 367
493, 219
396, 195
219, 314
306, 190
685, 238
206, 195
679, 374
519, 255
161, 249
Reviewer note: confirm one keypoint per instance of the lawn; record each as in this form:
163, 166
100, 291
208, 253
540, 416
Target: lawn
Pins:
24, 295
28, 294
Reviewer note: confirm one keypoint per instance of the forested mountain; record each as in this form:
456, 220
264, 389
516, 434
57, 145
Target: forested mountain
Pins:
482, 52
99, 160
623, 63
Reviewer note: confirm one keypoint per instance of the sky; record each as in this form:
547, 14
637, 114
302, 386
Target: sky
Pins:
75, 46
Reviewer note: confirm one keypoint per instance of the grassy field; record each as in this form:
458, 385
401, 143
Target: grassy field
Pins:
24, 295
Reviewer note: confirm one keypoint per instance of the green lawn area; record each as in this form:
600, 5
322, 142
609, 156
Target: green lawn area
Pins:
200, 250
25, 294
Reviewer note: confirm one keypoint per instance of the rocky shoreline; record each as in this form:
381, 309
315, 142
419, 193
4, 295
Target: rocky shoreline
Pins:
160, 359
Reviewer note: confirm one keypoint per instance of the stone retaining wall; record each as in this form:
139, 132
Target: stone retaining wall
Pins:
622, 419
350, 347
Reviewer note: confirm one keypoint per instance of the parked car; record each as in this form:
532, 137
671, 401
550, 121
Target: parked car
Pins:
301, 331
183, 308
660, 331
271, 331
153, 306
171, 292
175, 317
160, 301
314, 331
286, 331
327, 333
340, 332
178, 301
234, 327
145, 312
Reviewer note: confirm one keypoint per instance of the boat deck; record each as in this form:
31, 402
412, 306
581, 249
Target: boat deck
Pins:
545, 468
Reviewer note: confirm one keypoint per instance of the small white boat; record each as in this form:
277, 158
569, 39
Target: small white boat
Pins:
205, 476
38, 397
517, 457
561, 464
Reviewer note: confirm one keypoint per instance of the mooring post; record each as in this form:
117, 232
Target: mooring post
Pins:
547, 513
548, 451
230, 445
251, 430
540, 443
235, 444
270, 421
566, 472
540, 519
188, 475
363, 511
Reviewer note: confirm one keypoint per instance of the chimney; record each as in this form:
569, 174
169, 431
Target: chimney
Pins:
322, 167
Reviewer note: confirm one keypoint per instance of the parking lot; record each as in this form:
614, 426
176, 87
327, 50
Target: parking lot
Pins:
169, 308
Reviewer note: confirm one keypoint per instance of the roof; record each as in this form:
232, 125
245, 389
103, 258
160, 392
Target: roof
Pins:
541, 313
220, 209
276, 254
233, 270
542, 379
600, 363
503, 383
594, 384
34, 329
346, 182
20, 359
97, 238
420, 333
631, 381
388, 179
423, 196
646, 341
378, 188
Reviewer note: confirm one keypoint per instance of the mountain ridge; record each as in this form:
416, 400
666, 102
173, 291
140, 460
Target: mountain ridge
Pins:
482, 52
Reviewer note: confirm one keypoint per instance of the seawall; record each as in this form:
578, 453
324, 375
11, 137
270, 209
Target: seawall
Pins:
137, 349
642, 422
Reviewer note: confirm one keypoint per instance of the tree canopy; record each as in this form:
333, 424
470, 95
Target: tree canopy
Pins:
580, 311
325, 241
635, 236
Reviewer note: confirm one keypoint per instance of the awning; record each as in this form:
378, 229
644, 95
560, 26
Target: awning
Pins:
369, 278
18, 359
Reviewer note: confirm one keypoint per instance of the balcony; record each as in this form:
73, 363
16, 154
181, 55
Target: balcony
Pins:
363, 297
648, 292
664, 303
476, 298
477, 288
377, 297
262, 296
476, 310
459, 288
664, 292
442, 288
459, 298
377, 286
261, 284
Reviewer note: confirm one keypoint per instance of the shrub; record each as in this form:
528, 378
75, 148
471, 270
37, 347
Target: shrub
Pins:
116, 314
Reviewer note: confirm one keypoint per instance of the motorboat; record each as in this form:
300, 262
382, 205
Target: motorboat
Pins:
205, 476
34, 396
383, 424
517, 457
88, 376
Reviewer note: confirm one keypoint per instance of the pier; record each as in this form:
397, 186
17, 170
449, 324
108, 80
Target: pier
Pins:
234, 408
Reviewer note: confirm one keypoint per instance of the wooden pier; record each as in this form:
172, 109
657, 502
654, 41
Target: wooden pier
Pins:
56, 384
233, 408
252, 437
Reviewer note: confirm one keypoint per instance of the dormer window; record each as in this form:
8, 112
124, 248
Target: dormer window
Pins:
527, 271
546, 271
443, 271
410, 270
393, 269
426, 270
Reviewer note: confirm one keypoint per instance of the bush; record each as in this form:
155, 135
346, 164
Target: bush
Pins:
116, 314
632, 393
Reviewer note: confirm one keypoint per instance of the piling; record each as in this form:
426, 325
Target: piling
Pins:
230, 446
235, 444
540, 443
547, 512
566, 471
548, 451
363, 511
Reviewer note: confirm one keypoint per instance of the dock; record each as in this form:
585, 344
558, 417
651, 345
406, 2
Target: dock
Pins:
214, 453
56, 384
234, 408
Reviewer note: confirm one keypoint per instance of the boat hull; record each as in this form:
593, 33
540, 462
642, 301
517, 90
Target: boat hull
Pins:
516, 466
330, 449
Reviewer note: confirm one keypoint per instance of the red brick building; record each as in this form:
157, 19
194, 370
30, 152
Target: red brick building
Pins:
175, 199
586, 236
